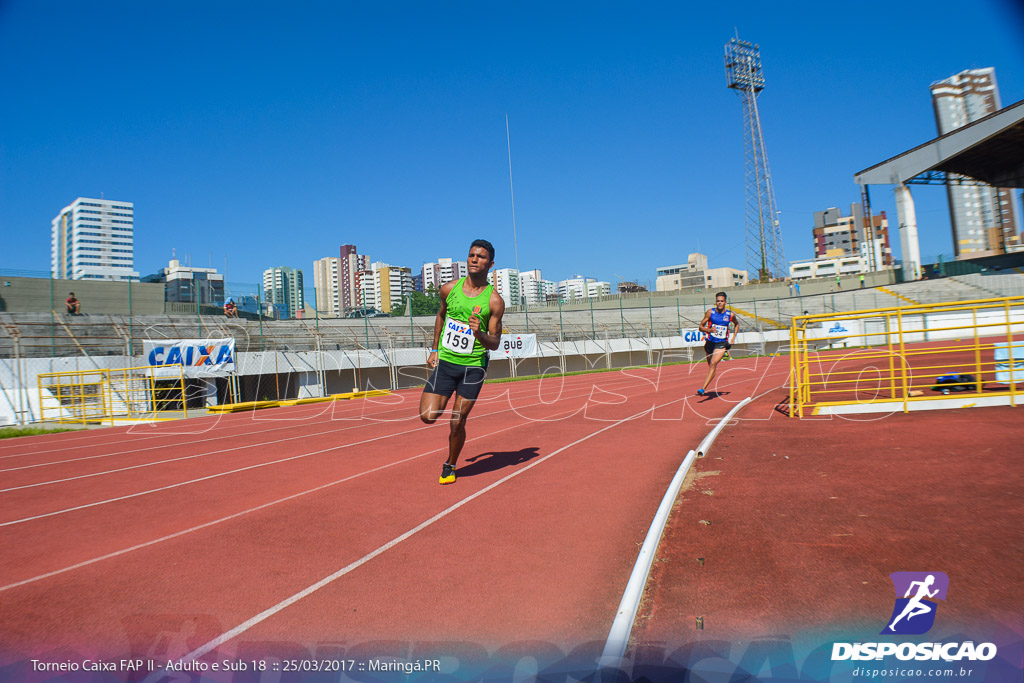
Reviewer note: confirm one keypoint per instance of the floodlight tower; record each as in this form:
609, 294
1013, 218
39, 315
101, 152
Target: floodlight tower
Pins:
764, 239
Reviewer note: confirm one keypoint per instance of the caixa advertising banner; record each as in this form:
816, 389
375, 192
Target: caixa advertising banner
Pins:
516, 346
693, 337
199, 357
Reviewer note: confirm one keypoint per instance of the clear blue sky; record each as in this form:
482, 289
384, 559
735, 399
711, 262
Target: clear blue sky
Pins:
273, 132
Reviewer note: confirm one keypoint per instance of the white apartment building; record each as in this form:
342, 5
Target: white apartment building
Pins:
534, 288
827, 267
506, 284
443, 271
984, 220
598, 288
575, 287
383, 286
93, 239
282, 287
326, 284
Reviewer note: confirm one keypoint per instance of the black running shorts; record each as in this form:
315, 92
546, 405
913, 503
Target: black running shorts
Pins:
465, 380
710, 346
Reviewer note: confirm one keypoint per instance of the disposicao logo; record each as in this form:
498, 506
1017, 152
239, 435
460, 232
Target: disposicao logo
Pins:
913, 614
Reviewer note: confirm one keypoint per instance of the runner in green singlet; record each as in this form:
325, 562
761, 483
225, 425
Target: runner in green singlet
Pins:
466, 328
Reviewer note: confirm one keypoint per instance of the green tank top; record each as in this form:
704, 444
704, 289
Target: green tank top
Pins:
457, 344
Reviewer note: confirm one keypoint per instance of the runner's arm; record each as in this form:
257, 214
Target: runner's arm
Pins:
703, 327
439, 323
736, 326
491, 339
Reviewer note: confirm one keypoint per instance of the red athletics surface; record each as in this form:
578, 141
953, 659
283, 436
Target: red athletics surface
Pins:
800, 522
155, 540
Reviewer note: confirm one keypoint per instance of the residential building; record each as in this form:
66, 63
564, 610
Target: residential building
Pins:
598, 288
442, 272
576, 287
984, 219
185, 284
683, 275
282, 287
626, 287
838, 235
384, 287
720, 278
93, 239
828, 267
506, 284
349, 287
327, 285
534, 289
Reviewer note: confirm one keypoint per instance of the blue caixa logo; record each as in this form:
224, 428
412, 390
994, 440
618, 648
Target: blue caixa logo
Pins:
837, 329
914, 612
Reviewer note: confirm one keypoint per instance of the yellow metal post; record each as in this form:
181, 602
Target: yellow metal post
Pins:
903, 359
1009, 353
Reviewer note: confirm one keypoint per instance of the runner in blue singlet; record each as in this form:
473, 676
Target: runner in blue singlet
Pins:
716, 326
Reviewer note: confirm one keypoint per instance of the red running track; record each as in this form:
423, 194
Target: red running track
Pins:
321, 524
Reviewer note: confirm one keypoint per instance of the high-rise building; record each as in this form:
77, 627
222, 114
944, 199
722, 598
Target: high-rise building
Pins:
383, 286
983, 217
506, 284
185, 284
92, 239
534, 288
282, 287
838, 235
326, 285
442, 272
577, 287
351, 264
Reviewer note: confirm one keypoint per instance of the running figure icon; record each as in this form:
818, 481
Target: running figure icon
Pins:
915, 607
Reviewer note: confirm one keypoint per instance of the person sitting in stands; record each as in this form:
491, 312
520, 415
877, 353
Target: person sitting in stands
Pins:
72, 304
230, 310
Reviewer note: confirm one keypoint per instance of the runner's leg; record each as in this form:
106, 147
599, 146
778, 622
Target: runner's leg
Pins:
713, 360
457, 435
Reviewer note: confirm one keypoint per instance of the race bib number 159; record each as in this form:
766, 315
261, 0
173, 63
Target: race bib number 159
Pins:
457, 337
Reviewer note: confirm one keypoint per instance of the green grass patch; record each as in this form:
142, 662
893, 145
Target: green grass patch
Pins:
592, 371
11, 432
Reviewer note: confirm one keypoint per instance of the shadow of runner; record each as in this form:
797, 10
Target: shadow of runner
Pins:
489, 462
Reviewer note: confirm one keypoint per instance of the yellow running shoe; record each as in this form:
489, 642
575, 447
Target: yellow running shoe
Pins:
447, 474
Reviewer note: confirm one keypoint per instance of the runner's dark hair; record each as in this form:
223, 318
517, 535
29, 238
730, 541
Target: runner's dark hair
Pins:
722, 294
486, 245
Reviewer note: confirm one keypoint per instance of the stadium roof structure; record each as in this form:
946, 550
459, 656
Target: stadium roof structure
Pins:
988, 151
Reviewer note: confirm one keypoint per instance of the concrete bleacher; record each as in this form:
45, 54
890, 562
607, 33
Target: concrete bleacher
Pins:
38, 335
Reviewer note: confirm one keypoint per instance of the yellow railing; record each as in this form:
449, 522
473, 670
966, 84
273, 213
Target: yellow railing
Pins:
898, 355
107, 395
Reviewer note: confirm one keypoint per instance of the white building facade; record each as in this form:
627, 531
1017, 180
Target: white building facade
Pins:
282, 287
384, 286
534, 288
983, 217
442, 272
93, 239
506, 284
327, 285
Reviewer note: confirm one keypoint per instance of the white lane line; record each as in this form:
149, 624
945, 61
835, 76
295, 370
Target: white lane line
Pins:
228, 450
242, 513
370, 420
246, 420
234, 471
267, 613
